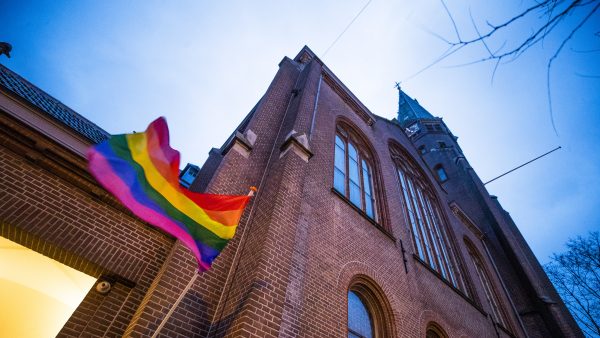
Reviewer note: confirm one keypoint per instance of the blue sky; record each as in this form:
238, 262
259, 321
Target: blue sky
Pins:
204, 65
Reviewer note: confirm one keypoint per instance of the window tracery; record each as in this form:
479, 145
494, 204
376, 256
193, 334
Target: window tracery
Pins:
353, 171
432, 244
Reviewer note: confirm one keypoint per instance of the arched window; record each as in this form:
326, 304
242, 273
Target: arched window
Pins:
353, 171
369, 313
360, 324
434, 331
490, 295
424, 217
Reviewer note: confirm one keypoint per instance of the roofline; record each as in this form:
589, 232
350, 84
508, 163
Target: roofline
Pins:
306, 54
37, 107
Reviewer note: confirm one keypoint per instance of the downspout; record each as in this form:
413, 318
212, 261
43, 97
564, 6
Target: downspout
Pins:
314, 114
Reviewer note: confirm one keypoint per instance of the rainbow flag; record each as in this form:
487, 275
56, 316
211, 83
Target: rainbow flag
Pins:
142, 171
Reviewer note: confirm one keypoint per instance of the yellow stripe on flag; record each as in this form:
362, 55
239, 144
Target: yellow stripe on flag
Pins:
138, 147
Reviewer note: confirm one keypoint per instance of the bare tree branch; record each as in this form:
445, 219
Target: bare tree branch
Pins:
552, 17
562, 45
451, 50
574, 274
451, 19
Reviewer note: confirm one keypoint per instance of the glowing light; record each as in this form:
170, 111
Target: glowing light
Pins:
38, 293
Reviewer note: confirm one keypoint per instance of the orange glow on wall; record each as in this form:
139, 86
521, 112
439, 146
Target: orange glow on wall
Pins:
37, 293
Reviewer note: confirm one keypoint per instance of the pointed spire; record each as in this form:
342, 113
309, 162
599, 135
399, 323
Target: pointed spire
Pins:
409, 109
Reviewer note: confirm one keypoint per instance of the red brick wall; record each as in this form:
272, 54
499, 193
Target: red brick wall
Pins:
50, 204
305, 244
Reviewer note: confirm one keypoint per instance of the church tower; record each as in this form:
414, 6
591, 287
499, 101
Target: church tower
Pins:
430, 135
532, 295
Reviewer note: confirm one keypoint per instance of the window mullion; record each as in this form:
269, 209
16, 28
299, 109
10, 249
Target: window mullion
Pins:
363, 202
490, 294
452, 259
486, 289
347, 178
440, 239
416, 220
426, 229
434, 239
372, 192
426, 246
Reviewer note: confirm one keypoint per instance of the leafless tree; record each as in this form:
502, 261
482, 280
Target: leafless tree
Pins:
546, 17
576, 276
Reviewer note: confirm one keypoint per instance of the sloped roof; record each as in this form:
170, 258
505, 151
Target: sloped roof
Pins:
14, 83
410, 110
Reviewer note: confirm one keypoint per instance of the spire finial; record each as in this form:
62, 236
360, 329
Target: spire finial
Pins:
399, 95
409, 109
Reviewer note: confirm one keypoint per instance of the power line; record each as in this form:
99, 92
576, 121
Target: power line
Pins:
522, 165
345, 29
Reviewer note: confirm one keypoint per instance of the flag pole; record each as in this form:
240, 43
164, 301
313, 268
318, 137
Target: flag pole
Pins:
187, 287
522, 165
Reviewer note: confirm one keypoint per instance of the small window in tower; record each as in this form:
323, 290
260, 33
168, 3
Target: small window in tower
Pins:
441, 173
429, 127
442, 145
437, 127
413, 129
422, 150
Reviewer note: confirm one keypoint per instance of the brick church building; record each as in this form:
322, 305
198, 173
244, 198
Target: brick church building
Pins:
362, 226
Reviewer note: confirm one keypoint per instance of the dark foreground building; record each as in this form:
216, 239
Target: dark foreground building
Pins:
362, 227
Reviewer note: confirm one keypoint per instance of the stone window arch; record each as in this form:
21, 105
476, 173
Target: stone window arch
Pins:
369, 313
424, 216
435, 331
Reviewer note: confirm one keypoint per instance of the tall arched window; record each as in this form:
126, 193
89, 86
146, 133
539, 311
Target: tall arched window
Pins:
369, 313
423, 215
353, 171
491, 296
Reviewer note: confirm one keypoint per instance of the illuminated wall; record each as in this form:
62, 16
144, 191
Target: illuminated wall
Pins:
38, 294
